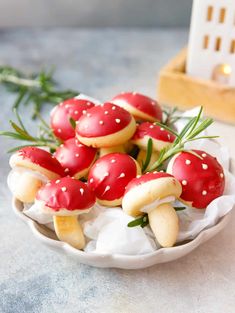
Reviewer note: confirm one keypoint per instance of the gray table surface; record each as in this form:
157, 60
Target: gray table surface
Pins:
34, 278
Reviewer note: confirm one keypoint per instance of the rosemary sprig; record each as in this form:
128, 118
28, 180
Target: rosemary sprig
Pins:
143, 221
169, 116
37, 89
139, 221
45, 138
148, 154
189, 133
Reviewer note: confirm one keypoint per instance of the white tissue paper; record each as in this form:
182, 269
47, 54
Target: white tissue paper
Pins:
106, 229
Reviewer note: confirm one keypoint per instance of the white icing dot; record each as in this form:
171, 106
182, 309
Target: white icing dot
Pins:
162, 129
91, 180
221, 175
67, 106
88, 103
134, 93
187, 162
107, 189
63, 189
106, 174
66, 170
83, 111
77, 155
117, 120
48, 184
59, 130
113, 161
61, 146
88, 115
76, 122
138, 176
113, 108
121, 175
101, 122
53, 157
151, 126
76, 112
204, 192
161, 171
204, 155
204, 166
155, 172
81, 191
168, 136
57, 181
106, 112
184, 182
80, 145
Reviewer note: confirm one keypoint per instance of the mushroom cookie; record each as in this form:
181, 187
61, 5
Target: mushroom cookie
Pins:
65, 199
140, 106
75, 158
60, 115
153, 193
31, 168
109, 176
161, 138
105, 126
202, 179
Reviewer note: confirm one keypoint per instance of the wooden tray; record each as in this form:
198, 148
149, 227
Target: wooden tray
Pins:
176, 88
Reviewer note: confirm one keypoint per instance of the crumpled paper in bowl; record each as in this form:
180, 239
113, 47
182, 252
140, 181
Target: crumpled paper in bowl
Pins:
106, 229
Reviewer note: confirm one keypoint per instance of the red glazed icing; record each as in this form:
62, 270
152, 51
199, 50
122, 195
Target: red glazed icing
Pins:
145, 178
74, 156
202, 180
66, 193
103, 120
148, 129
61, 114
140, 102
42, 158
109, 176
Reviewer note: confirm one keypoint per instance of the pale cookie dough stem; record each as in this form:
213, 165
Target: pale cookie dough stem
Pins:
68, 229
27, 187
164, 223
104, 151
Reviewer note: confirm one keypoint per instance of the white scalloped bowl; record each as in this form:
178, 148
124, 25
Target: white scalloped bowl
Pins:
162, 255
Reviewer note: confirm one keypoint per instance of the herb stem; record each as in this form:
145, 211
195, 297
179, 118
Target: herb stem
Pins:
19, 81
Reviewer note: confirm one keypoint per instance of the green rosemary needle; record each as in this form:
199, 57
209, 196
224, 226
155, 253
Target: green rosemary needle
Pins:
37, 89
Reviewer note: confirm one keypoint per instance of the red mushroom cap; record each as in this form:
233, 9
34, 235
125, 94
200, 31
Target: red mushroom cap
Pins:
153, 131
103, 120
141, 104
38, 157
110, 174
75, 157
60, 115
144, 179
159, 135
202, 180
66, 194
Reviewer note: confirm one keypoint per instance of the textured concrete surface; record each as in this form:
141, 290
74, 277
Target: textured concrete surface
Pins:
34, 278
95, 13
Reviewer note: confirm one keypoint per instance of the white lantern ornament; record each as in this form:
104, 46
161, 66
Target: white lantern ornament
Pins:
211, 50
